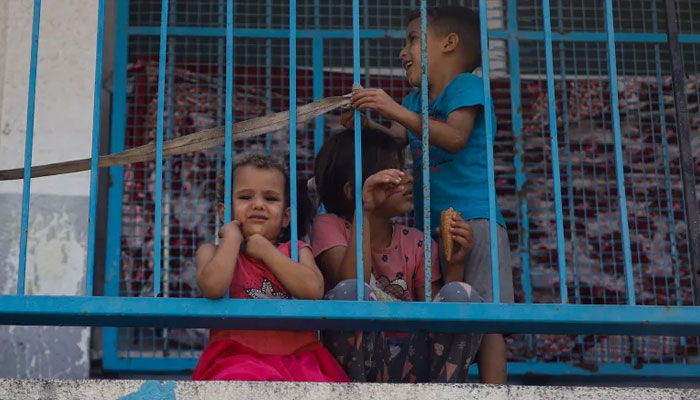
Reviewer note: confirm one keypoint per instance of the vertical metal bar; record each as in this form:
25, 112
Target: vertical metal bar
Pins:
567, 146
684, 145
554, 143
293, 123
367, 58
228, 113
96, 111
167, 206
569, 173
427, 248
317, 55
664, 156
220, 69
116, 175
159, 148
28, 145
518, 161
358, 151
268, 71
619, 165
490, 133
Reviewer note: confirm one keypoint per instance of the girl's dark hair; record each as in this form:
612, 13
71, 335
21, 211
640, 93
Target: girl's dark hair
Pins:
334, 166
305, 209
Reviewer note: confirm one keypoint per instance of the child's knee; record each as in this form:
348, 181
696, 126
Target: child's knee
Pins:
347, 290
458, 292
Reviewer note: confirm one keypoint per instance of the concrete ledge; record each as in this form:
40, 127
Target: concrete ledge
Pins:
170, 390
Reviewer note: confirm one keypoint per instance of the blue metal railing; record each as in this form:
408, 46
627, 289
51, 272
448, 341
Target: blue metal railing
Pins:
29, 143
562, 318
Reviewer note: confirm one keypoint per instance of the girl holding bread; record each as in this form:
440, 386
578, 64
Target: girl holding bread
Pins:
393, 265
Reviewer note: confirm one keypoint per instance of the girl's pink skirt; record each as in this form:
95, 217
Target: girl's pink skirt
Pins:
228, 360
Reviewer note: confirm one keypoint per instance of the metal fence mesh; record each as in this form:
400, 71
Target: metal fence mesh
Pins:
195, 101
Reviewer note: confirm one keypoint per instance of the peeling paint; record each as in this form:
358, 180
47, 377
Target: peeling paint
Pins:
56, 248
151, 390
55, 265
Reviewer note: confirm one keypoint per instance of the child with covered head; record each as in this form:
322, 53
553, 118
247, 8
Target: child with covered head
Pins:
457, 133
253, 262
394, 267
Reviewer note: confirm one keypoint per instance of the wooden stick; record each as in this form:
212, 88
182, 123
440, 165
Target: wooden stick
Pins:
197, 141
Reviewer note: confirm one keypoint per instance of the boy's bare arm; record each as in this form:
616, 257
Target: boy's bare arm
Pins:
396, 130
216, 264
450, 136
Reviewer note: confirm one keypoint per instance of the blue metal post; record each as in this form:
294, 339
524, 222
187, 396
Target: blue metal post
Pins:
366, 55
687, 164
114, 215
95, 151
293, 123
167, 211
268, 71
317, 54
28, 145
317, 67
554, 143
567, 146
358, 151
427, 248
228, 113
520, 175
667, 168
569, 173
490, 134
619, 164
500, 34
159, 148
518, 161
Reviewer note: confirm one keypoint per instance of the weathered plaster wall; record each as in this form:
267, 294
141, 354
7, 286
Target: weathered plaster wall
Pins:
57, 239
171, 390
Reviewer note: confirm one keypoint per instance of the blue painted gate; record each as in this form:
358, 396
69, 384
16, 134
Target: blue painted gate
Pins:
586, 162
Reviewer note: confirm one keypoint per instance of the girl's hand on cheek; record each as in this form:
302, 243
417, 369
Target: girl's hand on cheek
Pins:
232, 230
257, 246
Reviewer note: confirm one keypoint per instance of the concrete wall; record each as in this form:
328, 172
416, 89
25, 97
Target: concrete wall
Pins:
171, 390
56, 256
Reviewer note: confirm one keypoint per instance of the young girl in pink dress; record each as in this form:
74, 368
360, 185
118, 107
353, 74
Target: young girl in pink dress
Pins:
251, 263
394, 266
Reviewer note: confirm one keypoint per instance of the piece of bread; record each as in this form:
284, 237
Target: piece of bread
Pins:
446, 218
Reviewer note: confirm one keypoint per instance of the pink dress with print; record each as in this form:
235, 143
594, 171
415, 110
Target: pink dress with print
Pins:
399, 269
265, 355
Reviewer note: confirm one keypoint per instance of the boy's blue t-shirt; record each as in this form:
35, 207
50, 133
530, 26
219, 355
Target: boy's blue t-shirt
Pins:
456, 180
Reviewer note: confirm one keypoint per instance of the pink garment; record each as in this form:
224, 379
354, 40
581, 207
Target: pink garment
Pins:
228, 360
265, 355
398, 269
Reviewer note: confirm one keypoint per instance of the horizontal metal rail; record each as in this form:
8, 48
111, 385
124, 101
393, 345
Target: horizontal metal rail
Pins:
395, 316
635, 37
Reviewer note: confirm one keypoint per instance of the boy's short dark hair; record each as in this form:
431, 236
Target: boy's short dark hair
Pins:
334, 166
460, 20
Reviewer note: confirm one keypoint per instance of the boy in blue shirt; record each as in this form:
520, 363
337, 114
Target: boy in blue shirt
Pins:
458, 167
